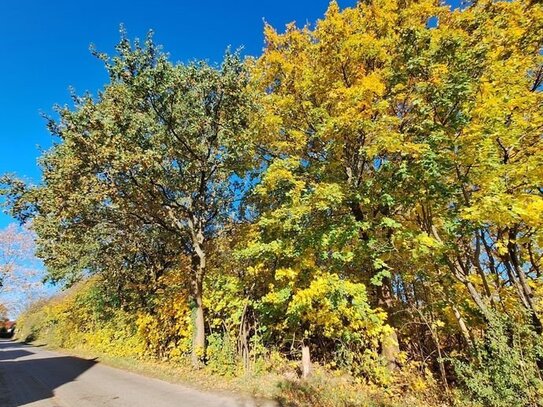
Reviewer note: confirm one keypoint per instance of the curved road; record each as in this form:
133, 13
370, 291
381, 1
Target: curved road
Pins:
33, 377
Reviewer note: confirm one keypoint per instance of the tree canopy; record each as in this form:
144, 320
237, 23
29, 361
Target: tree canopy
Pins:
368, 189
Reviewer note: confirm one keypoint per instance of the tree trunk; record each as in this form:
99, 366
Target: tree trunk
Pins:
199, 336
525, 289
460, 273
243, 337
463, 328
390, 347
306, 361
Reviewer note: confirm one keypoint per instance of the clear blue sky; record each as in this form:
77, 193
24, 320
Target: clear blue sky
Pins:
44, 48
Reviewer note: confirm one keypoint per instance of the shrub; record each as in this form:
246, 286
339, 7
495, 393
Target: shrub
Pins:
80, 318
502, 369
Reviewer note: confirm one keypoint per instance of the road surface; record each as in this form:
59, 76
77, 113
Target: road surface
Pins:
33, 377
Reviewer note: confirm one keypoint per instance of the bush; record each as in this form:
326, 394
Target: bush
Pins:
502, 370
79, 319
222, 355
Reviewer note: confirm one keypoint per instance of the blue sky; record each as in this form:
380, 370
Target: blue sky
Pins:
45, 50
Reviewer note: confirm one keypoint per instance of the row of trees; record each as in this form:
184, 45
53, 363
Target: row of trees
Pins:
372, 185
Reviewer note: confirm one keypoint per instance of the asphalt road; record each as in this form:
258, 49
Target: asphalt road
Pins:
33, 377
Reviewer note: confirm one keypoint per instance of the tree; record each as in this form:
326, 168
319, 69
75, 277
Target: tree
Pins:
154, 164
15, 247
403, 153
397, 204
20, 275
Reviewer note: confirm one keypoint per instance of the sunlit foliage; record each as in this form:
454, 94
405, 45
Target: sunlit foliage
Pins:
367, 193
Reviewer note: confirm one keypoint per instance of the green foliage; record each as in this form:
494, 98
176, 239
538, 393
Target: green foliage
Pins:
502, 370
222, 357
369, 189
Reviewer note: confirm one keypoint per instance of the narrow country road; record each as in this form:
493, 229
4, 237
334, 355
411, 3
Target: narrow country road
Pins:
33, 377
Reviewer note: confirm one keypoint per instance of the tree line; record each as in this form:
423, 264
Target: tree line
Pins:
368, 192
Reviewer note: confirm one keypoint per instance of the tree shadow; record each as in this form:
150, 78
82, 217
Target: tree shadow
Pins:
27, 377
14, 354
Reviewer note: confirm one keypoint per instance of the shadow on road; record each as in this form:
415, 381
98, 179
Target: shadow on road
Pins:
27, 377
13, 354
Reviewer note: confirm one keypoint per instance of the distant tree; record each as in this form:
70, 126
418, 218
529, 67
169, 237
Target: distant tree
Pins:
20, 276
3, 313
16, 247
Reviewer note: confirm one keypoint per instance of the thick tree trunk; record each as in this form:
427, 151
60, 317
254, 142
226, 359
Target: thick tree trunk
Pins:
390, 349
197, 274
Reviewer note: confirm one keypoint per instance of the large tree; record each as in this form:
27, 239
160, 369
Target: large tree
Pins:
404, 140
144, 174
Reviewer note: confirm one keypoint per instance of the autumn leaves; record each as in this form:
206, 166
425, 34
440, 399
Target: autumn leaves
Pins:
367, 185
